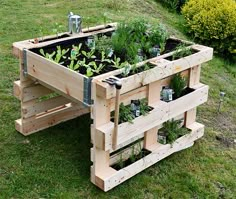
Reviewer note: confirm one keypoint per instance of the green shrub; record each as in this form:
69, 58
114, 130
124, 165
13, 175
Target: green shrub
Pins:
213, 23
174, 4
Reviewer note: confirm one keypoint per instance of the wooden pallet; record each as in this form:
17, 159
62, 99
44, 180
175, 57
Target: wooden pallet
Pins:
76, 90
42, 108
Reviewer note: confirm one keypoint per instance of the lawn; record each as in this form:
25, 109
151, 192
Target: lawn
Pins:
55, 163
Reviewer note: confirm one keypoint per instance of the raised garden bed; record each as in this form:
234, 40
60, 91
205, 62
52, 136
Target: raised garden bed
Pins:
83, 88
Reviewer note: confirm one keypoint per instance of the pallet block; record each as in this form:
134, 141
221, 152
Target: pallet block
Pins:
43, 78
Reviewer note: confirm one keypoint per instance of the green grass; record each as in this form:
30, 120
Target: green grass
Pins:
54, 163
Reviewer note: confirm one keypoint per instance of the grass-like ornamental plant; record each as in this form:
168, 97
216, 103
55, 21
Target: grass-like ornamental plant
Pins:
178, 84
213, 23
173, 130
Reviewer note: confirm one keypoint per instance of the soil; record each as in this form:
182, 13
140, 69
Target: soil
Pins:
120, 165
170, 46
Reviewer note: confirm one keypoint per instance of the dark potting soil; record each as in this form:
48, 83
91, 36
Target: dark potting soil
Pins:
170, 45
120, 165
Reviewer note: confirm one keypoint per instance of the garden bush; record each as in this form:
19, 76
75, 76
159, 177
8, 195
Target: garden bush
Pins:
213, 23
174, 4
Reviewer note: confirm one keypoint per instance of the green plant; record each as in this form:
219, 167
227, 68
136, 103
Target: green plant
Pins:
103, 58
75, 53
96, 68
181, 51
59, 54
89, 54
125, 114
144, 108
173, 130
120, 163
175, 5
158, 36
103, 43
117, 63
213, 23
178, 83
57, 29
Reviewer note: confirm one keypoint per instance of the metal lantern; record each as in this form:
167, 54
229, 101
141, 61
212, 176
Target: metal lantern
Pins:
74, 23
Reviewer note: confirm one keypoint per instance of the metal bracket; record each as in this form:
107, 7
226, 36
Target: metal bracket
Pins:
87, 101
25, 70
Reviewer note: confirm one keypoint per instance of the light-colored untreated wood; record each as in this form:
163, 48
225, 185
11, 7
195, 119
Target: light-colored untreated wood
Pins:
163, 69
40, 109
37, 123
112, 178
162, 112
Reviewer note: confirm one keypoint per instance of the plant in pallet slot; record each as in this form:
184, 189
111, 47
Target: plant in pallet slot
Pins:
178, 84
181, 51
172, 130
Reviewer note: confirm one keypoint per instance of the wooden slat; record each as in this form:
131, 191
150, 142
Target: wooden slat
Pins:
162, 112
34, 124
59, 77
163, 69
32, 107
126, 98
17, 47
159, 152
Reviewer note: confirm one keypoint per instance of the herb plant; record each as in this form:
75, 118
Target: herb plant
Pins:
178, 84
103, 43
125, 114
181, 51
173, 130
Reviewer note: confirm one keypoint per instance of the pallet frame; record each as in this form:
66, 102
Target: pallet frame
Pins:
99, 98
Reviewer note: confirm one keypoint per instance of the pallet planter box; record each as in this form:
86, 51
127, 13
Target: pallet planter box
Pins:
78, 94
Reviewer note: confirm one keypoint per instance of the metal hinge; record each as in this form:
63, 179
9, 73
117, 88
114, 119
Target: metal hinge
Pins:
87, 101
25, 70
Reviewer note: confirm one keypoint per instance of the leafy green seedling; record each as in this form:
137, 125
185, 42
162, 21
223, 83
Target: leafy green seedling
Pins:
90, 54
118, 64
96, 68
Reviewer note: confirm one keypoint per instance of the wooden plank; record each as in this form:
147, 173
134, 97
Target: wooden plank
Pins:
17, 47
163, 69
34, 92
52, 73
154, 91
101, 115
32, 108
34, 124
162, 112
126, 98
159, 152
